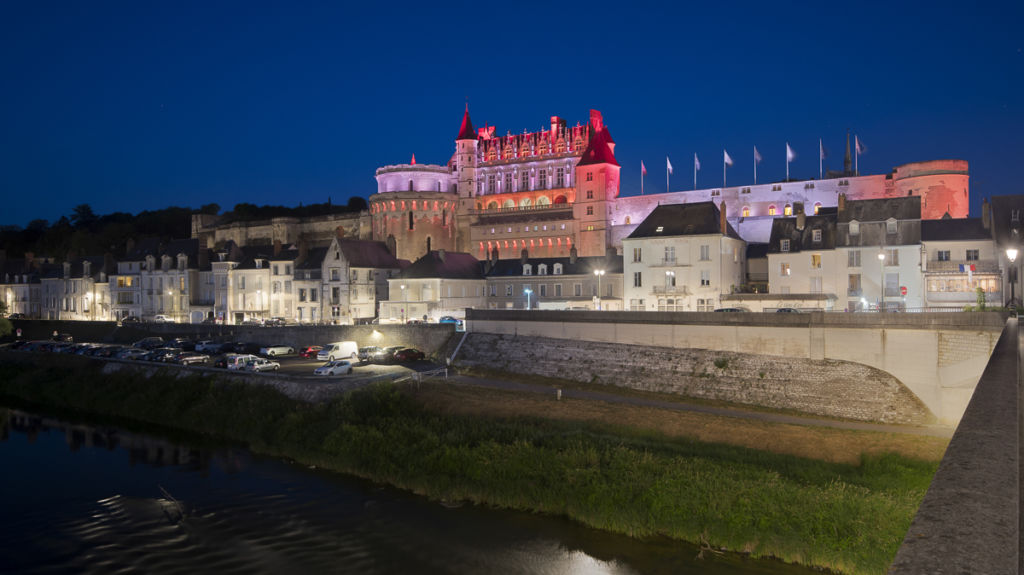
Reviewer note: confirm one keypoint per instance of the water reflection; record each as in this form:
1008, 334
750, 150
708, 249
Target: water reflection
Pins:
96, 499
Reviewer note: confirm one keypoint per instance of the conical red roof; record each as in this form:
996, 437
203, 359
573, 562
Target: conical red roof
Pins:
598, 150
466, 132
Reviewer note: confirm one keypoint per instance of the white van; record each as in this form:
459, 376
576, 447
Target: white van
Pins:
339, 350
237, 362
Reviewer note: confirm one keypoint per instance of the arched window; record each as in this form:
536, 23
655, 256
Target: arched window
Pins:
410, 185
771, 210
558, 267
492, 205
817, 206
444, 218
525, 203
508, 204
560, 199
542, 269
788, 210
627, 220
410, 221
543, 201
746, 211
527, 269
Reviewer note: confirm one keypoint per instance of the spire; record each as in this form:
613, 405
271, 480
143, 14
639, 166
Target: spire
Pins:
600, 149
846, 159
466, 132
413, 162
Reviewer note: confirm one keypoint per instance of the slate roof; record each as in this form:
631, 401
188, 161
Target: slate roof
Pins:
599, 150
368, 254
695, 219
582, 266
314, 259
456, 265
904, 208
803, 240
757, 251
952, 230
466, 131
1007, 231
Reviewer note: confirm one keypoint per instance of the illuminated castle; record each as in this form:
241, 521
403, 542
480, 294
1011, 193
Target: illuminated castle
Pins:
550, 191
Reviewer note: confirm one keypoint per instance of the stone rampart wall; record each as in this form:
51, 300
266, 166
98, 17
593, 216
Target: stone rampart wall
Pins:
822, 387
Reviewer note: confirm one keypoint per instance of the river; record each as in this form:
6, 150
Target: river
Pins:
87, 498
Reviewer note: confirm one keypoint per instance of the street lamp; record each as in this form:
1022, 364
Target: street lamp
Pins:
881, 280
403, 302
599, 274
1011, 254
527, 291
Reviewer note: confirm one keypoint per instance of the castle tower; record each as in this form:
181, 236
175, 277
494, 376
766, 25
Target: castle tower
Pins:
597, 186
466, 157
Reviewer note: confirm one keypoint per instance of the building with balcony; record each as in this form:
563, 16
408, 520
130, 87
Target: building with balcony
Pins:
959, 258
436, 285
555, 283
682, 257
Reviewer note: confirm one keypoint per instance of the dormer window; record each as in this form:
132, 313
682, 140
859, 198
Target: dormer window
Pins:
890, 226
558, 269
542, 270
259, 264
816, 236
527, 269
854, 227
784, 246
659, 230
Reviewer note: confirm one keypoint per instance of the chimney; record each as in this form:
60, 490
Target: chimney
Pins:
441, 255
524, 256
303, 251
277, 248
494, 256
723, 222
986, 213
572, 254
842, 203
801, 220
596, 121
109, 264
203, 256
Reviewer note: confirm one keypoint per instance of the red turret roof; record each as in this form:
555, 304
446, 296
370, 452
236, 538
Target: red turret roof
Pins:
466, 132
599, 149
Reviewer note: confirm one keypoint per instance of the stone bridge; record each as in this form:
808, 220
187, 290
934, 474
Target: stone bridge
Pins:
938, 357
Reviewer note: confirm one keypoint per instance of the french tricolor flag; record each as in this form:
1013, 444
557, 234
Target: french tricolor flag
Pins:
970, 269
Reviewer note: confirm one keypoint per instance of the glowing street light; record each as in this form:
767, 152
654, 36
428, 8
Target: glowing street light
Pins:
403, 302
599, 274
881, 280
1011, 254
527, 291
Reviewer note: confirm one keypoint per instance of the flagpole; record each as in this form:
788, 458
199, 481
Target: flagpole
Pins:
856, 155
787, 161
723, 170
695, 177
821, 154
641, 178
755, 165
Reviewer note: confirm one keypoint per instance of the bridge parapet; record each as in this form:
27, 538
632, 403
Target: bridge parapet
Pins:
969, 521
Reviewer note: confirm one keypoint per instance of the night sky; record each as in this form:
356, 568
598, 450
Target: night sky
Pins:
134, 105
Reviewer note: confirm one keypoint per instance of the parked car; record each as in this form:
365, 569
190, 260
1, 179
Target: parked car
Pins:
339, 367
387, 354
260, 364
16, 315
730, 309
275, 321
310, 351
408, 354
279, 349
132, 353
338, 350
130, 320
208, 346
366, 353
243, 347
149, 343
450, 319
787, 310
183, 343
253, 322
161, 319
162, 354
237, 362
191, 358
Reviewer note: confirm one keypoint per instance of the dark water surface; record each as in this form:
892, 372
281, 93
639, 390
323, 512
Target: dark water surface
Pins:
79, 498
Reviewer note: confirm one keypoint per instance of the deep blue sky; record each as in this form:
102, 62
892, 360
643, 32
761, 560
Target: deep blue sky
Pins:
140, 105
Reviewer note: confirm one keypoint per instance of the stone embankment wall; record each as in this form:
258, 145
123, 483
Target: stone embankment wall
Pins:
822, 387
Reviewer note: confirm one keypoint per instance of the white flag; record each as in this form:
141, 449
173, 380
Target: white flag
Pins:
821, 150
757, 156
696, 162
726, 158
790, 154
668, 164
859, 145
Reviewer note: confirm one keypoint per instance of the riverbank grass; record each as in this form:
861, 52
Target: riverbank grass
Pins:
848, 518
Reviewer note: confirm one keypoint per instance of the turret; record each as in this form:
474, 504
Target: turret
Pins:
465, 157
597, 184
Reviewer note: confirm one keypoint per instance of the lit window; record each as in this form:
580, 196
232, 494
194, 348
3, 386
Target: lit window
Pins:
788, 210
771, 210
746, 211
784, 269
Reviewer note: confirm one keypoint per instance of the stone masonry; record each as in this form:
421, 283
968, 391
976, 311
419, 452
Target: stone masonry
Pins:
830, 388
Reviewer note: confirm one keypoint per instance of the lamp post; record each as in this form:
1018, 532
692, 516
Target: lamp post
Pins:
170, 297
599, 274
881, 281
1011, 254
403, 303
527, 291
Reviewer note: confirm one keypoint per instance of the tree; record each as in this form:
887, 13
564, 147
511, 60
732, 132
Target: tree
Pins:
357, 204
5, 325
981, 299
210, 209
83, 217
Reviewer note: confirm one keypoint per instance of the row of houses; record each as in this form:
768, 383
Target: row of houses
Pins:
861, 255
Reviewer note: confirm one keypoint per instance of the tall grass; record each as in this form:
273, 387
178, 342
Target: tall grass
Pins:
846, 518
